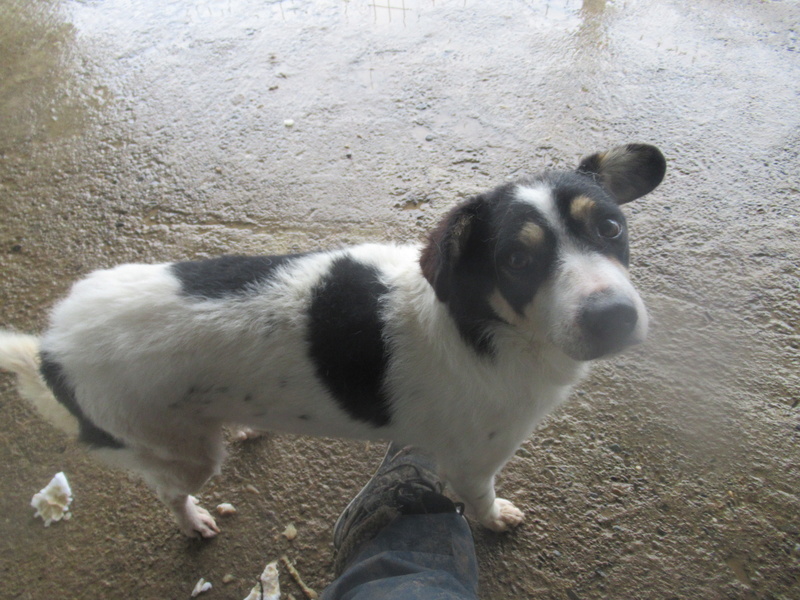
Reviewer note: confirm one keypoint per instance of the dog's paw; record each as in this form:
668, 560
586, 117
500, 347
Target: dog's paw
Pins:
197, 521
504, 516
246, 433
205, 525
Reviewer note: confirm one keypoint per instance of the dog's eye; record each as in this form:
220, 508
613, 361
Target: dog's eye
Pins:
609, 229
518, 260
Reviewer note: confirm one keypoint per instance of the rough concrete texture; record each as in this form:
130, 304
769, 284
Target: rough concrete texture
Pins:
134, 130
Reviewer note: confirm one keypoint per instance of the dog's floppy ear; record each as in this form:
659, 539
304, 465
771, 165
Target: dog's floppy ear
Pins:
446, 245
626, 172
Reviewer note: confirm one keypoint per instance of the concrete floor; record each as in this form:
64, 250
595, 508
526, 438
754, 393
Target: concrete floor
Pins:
135, 130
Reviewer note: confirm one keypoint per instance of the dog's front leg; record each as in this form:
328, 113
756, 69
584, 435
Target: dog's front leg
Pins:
482, 504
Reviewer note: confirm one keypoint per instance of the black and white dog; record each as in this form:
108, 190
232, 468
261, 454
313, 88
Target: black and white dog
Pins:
458, 346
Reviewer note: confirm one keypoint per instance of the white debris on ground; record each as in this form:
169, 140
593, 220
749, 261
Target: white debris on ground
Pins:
268, 586
52, 501
226, 509
290, 532
310, 594
200, 587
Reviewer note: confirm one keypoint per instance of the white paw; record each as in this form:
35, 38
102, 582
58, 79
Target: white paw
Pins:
196, 520
503, 516
246, 433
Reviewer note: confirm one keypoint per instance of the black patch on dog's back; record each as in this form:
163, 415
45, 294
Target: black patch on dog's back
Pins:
90, 434
345, 336
227, 275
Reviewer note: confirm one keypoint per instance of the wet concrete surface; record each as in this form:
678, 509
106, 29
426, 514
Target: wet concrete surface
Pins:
149, 131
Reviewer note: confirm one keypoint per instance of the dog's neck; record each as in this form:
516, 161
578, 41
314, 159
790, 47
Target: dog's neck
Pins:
535, 358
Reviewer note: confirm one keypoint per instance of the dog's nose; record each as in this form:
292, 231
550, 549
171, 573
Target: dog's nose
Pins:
608, 321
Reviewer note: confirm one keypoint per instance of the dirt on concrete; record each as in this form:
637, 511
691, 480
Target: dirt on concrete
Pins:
135, 130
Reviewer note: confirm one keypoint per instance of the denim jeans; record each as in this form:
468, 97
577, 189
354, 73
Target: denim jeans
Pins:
427, 556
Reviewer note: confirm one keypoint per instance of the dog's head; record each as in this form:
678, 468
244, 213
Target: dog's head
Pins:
548, 256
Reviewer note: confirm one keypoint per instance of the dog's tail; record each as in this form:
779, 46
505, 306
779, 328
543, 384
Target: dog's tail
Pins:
19, 353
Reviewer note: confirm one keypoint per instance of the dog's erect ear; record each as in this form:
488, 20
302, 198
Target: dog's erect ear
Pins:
446, 245
626, 172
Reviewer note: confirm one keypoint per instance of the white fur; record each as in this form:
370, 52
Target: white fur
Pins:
541, 197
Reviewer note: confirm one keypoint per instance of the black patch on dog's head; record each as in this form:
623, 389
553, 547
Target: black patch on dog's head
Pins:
90, 434
490, 243
346, 342
227, 275
591, 216
524, 251
458, 263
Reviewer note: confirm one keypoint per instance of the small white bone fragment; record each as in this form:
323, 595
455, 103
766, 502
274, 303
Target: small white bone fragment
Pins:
200, 587
290, 532
226, 509
52, 501
268, 586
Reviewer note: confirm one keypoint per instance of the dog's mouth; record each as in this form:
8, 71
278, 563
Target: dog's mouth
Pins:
599, 350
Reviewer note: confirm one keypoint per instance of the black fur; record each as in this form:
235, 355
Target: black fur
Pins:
519, 285
346, 343
227, 275
90, 434
458, 266
567, 187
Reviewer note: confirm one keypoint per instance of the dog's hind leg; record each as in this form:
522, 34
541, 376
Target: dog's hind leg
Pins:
175, 478
175, 481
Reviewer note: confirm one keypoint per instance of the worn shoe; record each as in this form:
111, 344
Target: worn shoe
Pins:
405, 483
